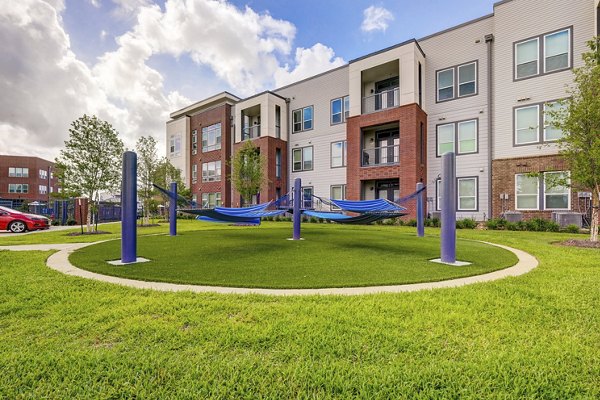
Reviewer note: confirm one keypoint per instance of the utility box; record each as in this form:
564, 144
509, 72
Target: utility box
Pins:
566, 218
513, 216
436, 215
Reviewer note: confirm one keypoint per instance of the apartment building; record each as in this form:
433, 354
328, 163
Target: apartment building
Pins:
377, 126
25, 179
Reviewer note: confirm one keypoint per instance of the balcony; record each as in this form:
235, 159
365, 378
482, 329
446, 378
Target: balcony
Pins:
381, 101
251, 132
381, 156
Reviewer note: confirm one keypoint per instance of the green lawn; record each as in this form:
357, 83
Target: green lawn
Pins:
536, 336
330, 256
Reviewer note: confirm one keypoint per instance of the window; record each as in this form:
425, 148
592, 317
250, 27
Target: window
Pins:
18, 188
43, 174
194, 141
526, 192
15, 172
438, 191
194, 200
456, 82
529, 119
211, 171
467, 81
194, 173
211, 137
277, 122
278, 163
302, 159
338, 192
467, 194
211, 200
445, 138
556, 51
557, 194
338, 154
467, 137
339, 109
302, 119
175, 145
445, 81
527, 63
527, 124
42, 189
552, 133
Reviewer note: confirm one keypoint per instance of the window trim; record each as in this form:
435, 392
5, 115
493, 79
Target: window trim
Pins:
301, 109
541, 124
207, 145
568, 190
542, 53
343, 112
456, 124
537, 207
515, 135
301, 149
569, 50
438, 190
344, 154
342, 186
455, 85
217, 178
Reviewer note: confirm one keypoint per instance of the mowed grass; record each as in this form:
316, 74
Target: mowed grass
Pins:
328, 256
535, 336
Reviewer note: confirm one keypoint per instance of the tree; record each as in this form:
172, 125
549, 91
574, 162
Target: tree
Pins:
247, 175
146, 148
165, 173
91, 161
579, 118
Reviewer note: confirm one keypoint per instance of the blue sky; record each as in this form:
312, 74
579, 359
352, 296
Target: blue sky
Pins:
132, 62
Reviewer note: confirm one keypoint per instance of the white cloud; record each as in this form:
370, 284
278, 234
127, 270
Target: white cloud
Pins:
45, 86
103, 35
376, 19
95, 3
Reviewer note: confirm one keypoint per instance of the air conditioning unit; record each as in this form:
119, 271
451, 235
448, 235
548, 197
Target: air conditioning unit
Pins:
566, 218
436, 215
513, 216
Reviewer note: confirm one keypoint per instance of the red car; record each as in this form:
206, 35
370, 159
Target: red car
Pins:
17, 221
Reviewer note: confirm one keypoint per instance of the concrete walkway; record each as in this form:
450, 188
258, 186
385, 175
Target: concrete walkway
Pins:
59, 261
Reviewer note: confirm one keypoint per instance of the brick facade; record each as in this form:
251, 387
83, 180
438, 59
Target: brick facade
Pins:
268, 146
206, 118
503, 181
34, 180
412, 166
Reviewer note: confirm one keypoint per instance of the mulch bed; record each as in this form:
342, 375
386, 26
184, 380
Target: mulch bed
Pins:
88, 233
581, 243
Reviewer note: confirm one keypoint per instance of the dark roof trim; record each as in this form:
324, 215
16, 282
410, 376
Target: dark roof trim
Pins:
501, 2
261, 93
388, 49
473, 21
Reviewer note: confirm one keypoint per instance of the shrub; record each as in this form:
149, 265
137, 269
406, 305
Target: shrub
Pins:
411, 222
389, 221
572, 228
512, 226
313, 220
432, 222
466, 223
542, 225
496, 223
71, 222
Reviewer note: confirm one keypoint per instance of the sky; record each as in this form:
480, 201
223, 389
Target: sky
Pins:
133, 62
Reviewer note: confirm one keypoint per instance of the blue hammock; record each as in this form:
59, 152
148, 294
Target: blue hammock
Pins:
369, 211
246, 215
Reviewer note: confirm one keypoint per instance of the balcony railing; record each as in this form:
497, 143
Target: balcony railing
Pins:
251, 132
384, 155
381, 101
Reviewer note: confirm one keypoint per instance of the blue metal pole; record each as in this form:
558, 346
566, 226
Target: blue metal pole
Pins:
448, 237
420, 212
173, 210
297, 202
129, 207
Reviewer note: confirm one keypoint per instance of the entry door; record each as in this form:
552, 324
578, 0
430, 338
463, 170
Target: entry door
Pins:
388, 190
387, 147
384, 95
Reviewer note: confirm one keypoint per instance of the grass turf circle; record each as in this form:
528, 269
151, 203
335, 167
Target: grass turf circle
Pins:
329, 256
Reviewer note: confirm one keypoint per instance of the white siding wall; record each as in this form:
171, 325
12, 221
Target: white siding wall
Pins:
317, 92
450, 49
518, 20
180, 127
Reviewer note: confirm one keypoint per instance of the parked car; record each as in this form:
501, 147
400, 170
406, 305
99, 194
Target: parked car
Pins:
17, 221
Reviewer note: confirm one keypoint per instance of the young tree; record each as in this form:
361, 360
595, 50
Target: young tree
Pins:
580, 120
247, 174
166, 173
91, 161
146, 148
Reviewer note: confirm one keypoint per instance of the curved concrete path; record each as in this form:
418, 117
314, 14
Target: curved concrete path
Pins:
59, 261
